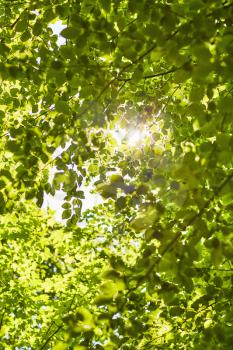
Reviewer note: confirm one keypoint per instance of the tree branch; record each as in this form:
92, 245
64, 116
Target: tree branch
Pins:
50, 337
160, 74
2, 317
171, 244
216, 301
116, 78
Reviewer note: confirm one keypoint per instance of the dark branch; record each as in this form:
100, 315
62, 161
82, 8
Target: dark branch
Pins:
160, 74
51, 336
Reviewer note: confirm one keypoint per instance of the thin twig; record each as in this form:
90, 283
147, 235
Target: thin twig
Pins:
51, 336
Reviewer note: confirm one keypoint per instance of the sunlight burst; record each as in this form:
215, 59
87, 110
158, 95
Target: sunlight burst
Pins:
131, 137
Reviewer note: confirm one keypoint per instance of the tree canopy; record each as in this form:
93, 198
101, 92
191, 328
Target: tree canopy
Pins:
138, 99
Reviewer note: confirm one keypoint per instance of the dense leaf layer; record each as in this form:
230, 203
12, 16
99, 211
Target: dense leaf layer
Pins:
151, 266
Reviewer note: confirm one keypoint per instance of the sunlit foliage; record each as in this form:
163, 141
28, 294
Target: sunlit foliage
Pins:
135, 99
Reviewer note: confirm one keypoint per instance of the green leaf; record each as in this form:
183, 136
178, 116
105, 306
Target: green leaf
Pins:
66, 205
25, 36
37, 28
208, 323
216, 256
107, 191
145, 220
12, 146
66, 214
70, 33
105, 5
60, 346
62, 107
21, 25
67, 52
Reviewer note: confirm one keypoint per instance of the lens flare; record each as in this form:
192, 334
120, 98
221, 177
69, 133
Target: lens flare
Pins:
131, 137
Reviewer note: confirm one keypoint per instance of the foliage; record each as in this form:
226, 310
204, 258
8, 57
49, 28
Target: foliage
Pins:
151, 266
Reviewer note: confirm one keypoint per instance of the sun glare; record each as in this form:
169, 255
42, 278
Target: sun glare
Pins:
136, 137
131, 137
